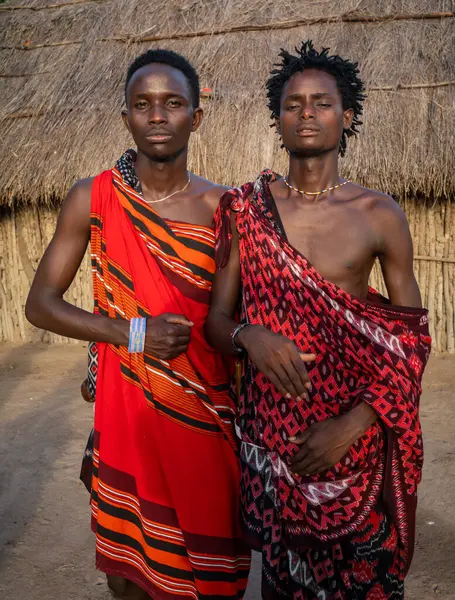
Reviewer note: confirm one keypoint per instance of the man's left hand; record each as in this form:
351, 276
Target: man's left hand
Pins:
324, 444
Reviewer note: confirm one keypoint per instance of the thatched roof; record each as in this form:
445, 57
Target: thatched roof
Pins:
62, 71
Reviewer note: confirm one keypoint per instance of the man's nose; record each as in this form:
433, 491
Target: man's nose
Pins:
157, 114
308, 112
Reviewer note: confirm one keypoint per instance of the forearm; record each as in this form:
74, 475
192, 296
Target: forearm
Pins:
359, 419
54, 314
218, 331
324, 444
405, 292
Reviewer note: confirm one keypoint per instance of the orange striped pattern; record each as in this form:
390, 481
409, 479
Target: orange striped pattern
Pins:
190, 263
165, 488
114, 294
141, 542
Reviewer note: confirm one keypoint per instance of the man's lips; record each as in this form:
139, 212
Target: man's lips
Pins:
307, 131
158, 137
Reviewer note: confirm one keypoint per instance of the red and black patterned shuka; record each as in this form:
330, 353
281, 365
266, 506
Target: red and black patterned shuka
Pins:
347, 533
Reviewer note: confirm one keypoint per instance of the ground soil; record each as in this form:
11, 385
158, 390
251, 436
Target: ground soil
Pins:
46, 547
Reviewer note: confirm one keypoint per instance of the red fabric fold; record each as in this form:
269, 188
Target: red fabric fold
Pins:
166, 477
232, 200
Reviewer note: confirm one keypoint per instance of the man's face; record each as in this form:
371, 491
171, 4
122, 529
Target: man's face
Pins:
312, 119
160, 113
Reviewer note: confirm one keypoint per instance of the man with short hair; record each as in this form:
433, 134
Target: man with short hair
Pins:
165, 482
331, 448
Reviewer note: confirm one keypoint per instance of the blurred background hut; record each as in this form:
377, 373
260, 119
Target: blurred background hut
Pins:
62, 70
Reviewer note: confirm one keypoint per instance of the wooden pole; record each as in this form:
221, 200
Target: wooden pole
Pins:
438, 259
278, 26
46, 6
411, 86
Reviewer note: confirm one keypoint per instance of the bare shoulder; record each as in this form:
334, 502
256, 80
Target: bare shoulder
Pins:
383, 209
215, 192
77, 204
81, 189
211, 192
80, 192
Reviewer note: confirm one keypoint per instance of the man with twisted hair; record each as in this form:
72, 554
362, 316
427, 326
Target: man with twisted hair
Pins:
331, 447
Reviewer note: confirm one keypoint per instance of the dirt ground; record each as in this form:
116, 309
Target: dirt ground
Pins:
46, 547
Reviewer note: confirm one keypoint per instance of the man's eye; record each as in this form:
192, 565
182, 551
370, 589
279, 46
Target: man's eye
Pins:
140, 104
323, 105
174, 103
292, 106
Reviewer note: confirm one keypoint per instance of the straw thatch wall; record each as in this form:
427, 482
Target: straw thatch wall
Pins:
24, 236
433, 231
23, 239
61, 80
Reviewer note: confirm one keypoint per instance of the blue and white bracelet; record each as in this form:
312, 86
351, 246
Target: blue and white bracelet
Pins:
137, 335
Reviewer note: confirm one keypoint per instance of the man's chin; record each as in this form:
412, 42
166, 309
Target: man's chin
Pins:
308, 151
310, 148
163, 154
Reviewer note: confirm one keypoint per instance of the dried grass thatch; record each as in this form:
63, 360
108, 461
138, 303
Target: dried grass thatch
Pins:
62, 71
62, 67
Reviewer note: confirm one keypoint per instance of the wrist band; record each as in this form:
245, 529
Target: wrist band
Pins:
234, 335
137, 335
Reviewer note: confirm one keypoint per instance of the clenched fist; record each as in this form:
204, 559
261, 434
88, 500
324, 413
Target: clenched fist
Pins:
167, 336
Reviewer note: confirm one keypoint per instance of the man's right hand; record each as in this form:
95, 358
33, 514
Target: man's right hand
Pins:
167, 336
279, 359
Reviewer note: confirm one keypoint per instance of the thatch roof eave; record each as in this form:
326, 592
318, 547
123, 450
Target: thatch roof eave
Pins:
60, 114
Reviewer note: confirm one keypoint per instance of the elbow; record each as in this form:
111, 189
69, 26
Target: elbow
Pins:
31, 313
34, 311
208, 329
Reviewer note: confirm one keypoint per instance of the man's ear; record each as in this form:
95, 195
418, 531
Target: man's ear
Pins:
198, 116
348, 115
125, 119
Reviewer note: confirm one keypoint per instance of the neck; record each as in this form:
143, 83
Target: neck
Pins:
314, 173
160, 178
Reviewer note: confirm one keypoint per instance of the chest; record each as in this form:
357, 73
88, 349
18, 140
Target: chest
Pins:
192, 209
337, 238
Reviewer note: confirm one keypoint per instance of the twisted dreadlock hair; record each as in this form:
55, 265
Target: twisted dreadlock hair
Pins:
345, 72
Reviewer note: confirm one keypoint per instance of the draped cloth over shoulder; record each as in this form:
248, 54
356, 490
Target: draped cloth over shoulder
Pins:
165, 482
366, 351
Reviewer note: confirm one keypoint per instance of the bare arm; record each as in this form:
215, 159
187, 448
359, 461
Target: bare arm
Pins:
396, 255
167, 335
45, 306
274, 355
225, 295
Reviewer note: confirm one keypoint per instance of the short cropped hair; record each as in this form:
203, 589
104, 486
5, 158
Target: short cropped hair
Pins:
167, 57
